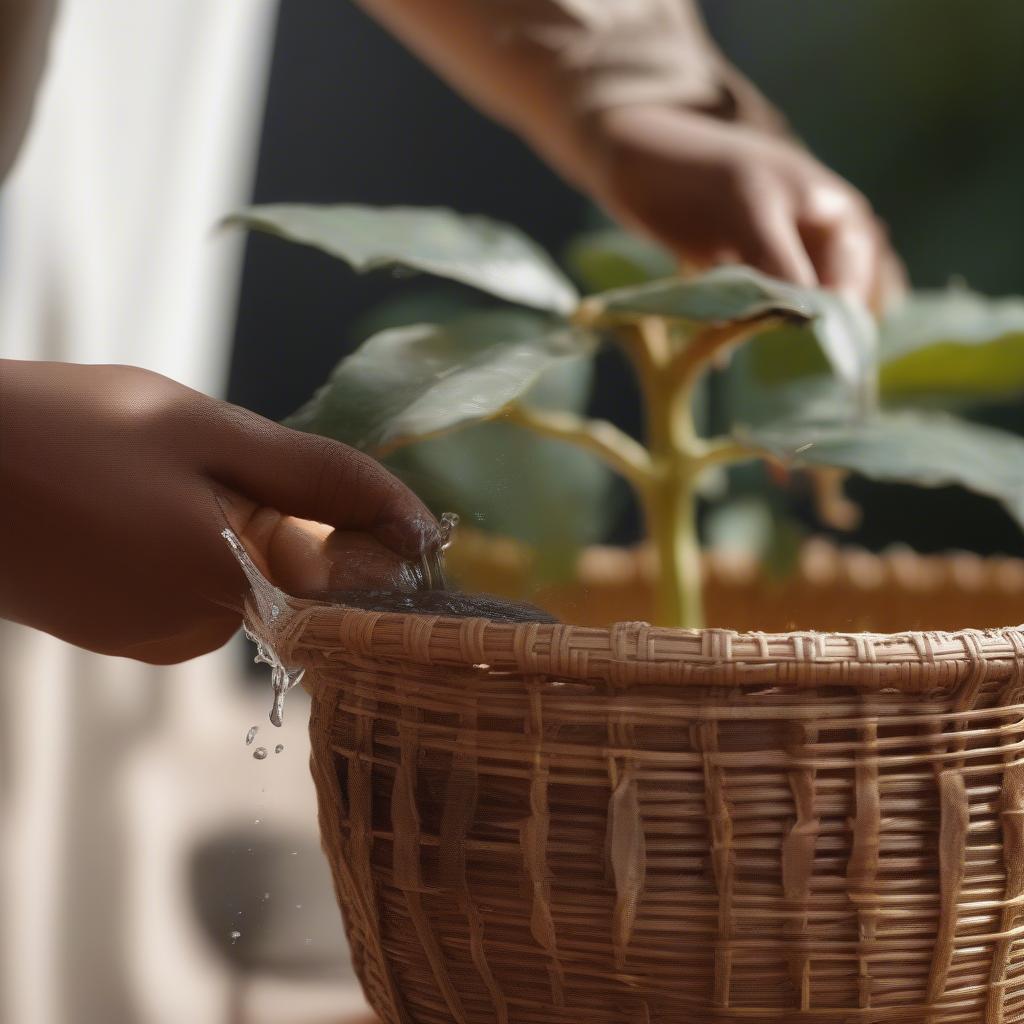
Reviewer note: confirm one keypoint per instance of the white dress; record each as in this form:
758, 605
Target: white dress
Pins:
144, 136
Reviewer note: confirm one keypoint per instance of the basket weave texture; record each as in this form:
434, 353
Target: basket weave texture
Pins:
549, 824
829, 588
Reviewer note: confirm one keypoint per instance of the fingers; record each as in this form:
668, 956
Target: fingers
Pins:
774, 244
315, 478
891, 282
853, 256
812, 228
288, 551
309, 559
846, 242
845, 255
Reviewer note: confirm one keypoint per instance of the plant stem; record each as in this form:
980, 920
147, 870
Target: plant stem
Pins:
670, 501
671, 512
668, 376
663, 474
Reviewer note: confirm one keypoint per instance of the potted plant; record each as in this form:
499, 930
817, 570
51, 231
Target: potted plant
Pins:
542, 823
820, 387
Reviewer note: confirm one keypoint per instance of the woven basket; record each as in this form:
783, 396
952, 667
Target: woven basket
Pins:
830, 587
531, 824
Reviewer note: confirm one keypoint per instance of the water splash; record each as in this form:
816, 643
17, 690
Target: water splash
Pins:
281, 679
432, 574
273, 611
235, 936
270, 602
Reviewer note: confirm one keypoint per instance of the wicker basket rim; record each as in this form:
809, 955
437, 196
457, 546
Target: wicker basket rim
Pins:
629, 653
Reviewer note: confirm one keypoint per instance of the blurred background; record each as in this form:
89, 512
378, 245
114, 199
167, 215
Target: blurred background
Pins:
152, 869
912, 102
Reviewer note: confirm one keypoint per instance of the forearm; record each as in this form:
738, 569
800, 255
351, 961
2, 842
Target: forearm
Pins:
548, 68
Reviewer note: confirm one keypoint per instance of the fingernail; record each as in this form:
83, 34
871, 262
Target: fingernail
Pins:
411, 538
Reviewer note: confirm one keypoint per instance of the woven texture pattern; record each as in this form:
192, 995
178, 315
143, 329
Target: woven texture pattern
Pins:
539, 824
829, 588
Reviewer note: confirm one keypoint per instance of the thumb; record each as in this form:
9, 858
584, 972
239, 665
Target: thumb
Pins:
307, 558
315, 478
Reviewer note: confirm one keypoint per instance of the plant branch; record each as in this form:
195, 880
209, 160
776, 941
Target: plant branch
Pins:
626, 456
724, 451
687, 364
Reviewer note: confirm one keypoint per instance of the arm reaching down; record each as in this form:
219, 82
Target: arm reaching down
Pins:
633, 104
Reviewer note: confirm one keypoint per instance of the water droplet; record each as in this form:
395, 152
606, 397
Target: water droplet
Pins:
235, 936
295, 853
309, 941
282, 681
257, 821
431, 570
279, 748
251, 735
298, 906
260, 753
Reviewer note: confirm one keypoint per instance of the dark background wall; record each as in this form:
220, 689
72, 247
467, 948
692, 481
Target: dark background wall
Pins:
351, 116
917, 102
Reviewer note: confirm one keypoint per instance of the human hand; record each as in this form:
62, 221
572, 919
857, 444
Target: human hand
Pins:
116, 483
716, 191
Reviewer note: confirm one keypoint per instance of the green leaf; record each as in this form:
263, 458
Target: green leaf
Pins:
929, 449
844, 330
953, 315
477, 251
783, 355
848, 336
722, 295
425, 379
435, 302
506, 480
803, 399
955, 343
610, 258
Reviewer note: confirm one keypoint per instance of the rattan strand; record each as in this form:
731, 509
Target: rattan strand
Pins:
560, 825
